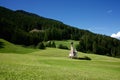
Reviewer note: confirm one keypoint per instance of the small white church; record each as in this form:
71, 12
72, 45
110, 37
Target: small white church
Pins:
73, 52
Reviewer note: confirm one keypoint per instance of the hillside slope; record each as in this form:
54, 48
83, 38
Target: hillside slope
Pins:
25, 28
7, 47
21, 23
54, 64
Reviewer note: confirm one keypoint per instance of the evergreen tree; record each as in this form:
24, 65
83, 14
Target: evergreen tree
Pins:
41, 45
48, 44
46, 36
61, 46
94, 47
53, 44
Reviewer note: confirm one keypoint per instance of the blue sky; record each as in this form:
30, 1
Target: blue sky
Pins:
98, 16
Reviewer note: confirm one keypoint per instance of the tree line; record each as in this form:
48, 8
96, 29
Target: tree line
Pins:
99, 44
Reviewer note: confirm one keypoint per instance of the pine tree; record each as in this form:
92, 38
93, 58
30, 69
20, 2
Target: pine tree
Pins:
41, 45
94, 47
53, 44
46, 36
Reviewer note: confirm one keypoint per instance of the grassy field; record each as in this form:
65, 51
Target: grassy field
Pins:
66, 43
19, 63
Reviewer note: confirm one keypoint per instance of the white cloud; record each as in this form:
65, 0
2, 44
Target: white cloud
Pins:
117, 35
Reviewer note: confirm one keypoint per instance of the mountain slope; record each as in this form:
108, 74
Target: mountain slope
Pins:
24, 28
23, 22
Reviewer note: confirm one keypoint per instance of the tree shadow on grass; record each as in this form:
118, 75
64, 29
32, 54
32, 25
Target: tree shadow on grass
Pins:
82, 58
1, 45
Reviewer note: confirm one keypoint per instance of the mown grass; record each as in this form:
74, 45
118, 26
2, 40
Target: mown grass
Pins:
54, 64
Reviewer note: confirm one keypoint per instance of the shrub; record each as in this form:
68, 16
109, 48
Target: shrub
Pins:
48, 44
51, 44
62, 47
41, 45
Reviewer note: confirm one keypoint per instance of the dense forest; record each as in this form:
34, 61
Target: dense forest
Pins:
24, 28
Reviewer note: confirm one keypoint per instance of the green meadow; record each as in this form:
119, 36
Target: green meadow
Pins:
66, 43
20, 63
